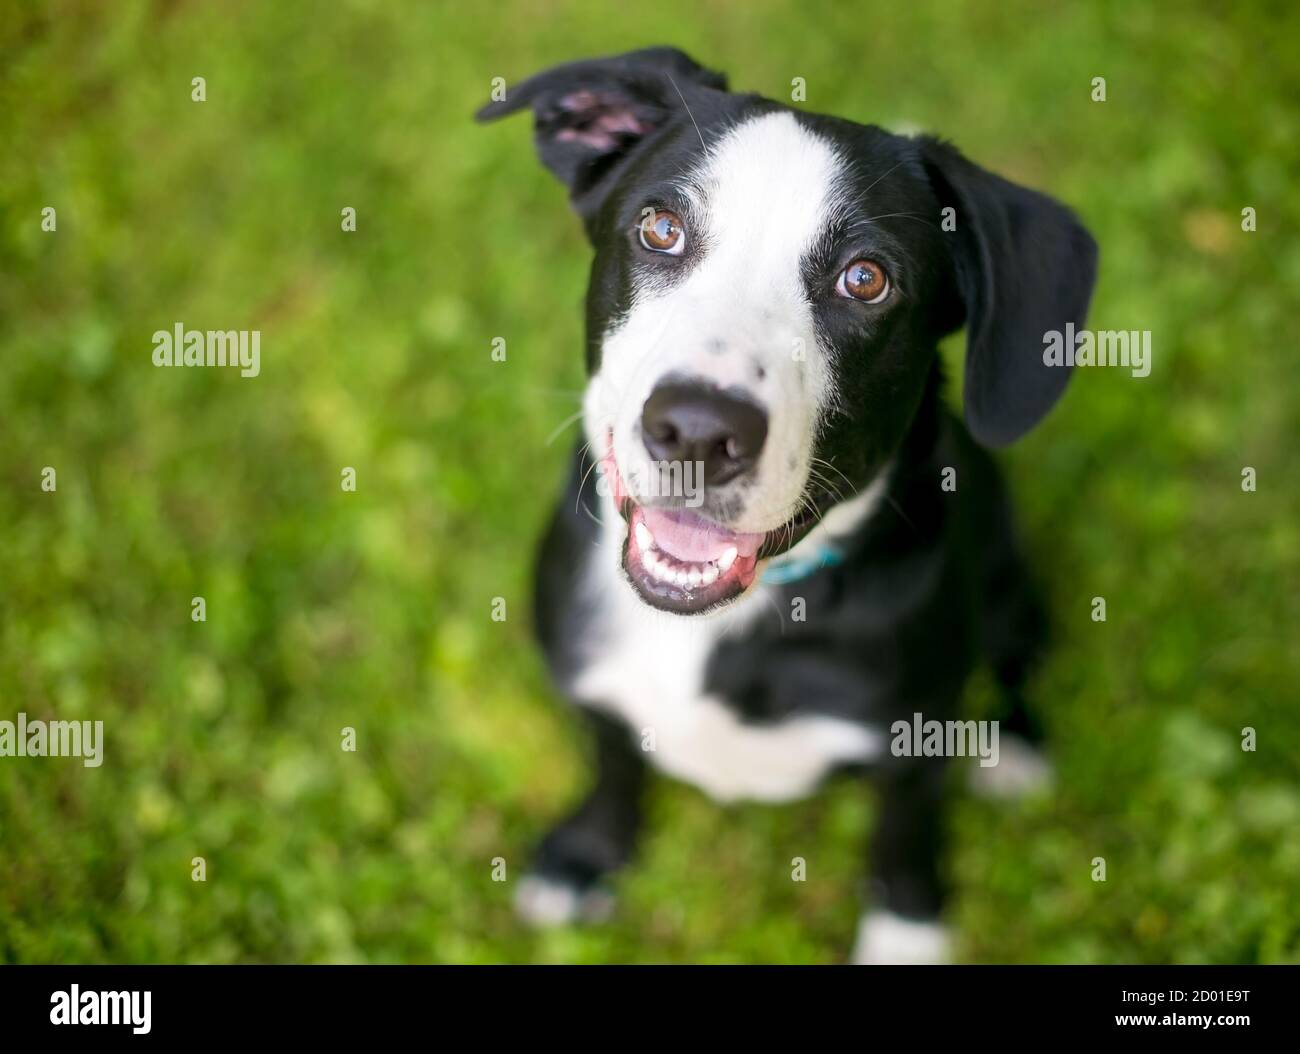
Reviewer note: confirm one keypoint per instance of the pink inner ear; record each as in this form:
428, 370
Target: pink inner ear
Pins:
599, 121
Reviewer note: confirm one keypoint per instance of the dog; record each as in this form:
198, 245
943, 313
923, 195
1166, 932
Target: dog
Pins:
767, 294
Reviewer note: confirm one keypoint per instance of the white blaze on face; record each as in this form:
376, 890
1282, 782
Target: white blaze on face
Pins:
766, 192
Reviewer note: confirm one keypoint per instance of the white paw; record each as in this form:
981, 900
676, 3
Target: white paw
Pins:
886, 939
1022, 769
545, 902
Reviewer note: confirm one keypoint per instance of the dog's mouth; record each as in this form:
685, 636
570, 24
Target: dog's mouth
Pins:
682, 562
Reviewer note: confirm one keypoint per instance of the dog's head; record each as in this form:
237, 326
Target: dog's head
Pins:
767, 293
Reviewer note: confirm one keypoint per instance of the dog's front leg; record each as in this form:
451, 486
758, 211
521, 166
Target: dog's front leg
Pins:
903, 924
566, 882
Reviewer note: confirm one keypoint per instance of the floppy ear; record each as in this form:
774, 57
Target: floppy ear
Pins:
588, 115
1025, 266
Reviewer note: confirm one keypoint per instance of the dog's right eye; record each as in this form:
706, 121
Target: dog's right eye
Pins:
663, 232
863, 280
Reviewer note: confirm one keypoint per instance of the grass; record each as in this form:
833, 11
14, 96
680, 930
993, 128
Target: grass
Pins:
371, 610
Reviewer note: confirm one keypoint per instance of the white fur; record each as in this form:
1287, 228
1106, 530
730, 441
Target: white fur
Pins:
843, 519
647, 667
767, 191
542, 902
886, 939
1022, 770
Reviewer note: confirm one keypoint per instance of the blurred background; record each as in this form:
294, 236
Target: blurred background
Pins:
371, 610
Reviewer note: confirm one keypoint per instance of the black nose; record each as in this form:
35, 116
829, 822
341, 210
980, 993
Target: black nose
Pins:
691, 422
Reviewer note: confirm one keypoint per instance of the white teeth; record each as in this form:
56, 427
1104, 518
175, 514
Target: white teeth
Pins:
684, 575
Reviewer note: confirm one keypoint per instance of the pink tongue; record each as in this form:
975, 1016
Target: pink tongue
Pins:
695, 540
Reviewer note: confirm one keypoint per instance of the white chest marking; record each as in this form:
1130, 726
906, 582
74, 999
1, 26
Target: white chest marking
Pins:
648, 668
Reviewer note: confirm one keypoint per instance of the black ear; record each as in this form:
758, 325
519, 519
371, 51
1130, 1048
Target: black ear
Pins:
588, 115
1025, 266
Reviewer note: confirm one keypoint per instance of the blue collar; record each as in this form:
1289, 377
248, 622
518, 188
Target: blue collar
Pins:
790, 569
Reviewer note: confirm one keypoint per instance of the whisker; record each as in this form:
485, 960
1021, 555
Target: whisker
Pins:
687, 108
829, 465
583, 482
899, 509
559, 429
825, 483
903, 215
771, 599
567, 393
882, 176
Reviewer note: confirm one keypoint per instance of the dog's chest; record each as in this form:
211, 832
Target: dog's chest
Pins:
649, 669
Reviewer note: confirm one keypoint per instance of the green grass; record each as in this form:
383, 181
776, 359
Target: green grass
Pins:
328, 609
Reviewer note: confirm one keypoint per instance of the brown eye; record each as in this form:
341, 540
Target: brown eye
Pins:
864, 280
662, 232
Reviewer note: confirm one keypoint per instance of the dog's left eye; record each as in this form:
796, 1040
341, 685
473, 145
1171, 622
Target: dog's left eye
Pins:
663, 232
863, 280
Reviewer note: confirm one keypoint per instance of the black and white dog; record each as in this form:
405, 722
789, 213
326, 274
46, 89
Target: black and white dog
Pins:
768, 290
